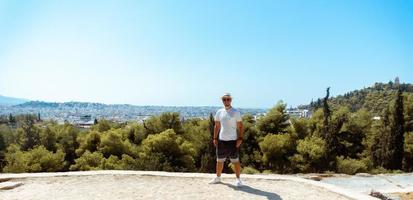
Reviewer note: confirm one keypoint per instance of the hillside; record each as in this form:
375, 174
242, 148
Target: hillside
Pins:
374, 99
7, 101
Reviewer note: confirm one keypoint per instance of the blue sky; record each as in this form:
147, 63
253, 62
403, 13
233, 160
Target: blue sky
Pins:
190, 52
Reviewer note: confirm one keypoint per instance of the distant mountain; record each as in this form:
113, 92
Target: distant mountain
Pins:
9, 101
375, 98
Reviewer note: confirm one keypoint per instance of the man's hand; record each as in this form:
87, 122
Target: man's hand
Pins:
215, 141
239, 141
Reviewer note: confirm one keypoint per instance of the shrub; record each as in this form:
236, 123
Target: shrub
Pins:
250, 170
166, 151
111, 163
350, 165
88, 161
276, 149
310, 154
380, 170
312, 147
128, 163
38, 159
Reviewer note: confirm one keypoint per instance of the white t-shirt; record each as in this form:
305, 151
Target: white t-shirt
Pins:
228, 119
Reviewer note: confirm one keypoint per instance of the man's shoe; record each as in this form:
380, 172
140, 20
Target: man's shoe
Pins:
238, 183
215, 180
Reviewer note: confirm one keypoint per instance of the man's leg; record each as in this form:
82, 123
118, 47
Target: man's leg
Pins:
237, 166
220, 163
221, 157
220, 166
234, 158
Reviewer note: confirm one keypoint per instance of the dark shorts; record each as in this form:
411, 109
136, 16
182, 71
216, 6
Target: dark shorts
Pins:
227, 149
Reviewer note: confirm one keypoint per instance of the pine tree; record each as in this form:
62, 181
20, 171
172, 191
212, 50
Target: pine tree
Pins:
208, 158
30, 136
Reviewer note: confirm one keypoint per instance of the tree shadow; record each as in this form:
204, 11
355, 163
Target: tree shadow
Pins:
251, 190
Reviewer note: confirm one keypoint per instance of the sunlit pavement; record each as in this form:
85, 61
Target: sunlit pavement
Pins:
383, 183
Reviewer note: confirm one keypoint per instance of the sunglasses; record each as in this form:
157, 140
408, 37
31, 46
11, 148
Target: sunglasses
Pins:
226, 99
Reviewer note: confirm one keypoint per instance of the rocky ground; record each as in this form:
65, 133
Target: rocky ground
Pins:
155, 187
164, 185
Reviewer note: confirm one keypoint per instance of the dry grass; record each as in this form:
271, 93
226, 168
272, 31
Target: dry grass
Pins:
405, 196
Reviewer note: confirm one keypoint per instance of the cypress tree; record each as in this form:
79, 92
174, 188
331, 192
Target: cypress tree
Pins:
329, 135
327, 114
396, 137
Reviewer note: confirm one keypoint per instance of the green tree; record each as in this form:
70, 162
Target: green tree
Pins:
408, 112
171, 120
112, 163
38, 159
196, 132
12, 120
275, 121
396, 138
135, 133
48, 139
408, 152
276, 150
2, 150
167, 151
152, 125
67, 141
207, 160
250, 153
310, 155
28, 133
102, 125
129, 163
383, 147
88, 142
167, 120
112, 143
300, 127
89, 161
378, 148
329, 132
353, 135
9, 135
350, 165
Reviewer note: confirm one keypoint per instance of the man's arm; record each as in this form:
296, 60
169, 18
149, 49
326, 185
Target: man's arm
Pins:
240, 131
240, 128
217, 128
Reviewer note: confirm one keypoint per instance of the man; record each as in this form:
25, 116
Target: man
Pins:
228, 133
